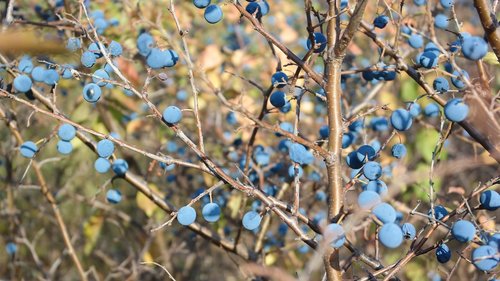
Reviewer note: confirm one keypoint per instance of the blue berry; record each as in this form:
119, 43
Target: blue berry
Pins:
368, 199
115, 48
264, 7
441, 21
51, 77
102, 165
416, 41
114, 196
201, 4
95, 50
98, 77
278, 99
428, 59
443, 253
457, 80
353, 161
319, 42
485, 258
25, 65
474, 48
391, 235
28, 149
254, 9
120, 167
377, 186
105, 148
145, 43
22, 83
490, 200
409, 231
299, 154
66, 71
11, 248
211, 212
172, 115
213, 14
385, 213
334, 235
279, 79
161, 58
456, 110
414, 109
251, 220
398, 150
441, 85
64, 147
91, 92
292, 173
439, 212
431, 110
463, 231
366, 152
347, 139
446, 3
38, 73
372, 170
381, 21
401, 119
379, 124
88, 59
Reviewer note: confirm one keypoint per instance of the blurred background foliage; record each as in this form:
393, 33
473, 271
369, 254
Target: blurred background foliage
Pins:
112, 240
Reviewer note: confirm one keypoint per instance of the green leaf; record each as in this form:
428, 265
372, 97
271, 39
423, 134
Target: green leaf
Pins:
425, 142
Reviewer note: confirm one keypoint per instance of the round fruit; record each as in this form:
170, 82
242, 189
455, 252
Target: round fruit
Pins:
64, 147
385, 213
398, 150
485, 258
463, 231
201, 4
172, 115
319, 42
91, 92
211, 212
28, 149
120, 167
372, 170
334, 235
368, 199
102, 165
251, 220
186, 215
401, 119
490, 200
443, 253
66, 132
474, 48
278, 99
22, 83
456, 110
213, 14
390, 235
105, 148
113, 196
409, 231
441, 85
279, 79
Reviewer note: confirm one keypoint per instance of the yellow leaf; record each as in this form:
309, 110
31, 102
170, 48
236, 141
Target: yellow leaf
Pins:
270, 259
147, 258
145, 203
234, 204
91, 229
491, 59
